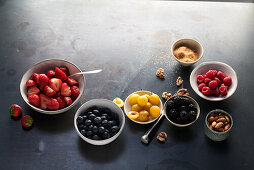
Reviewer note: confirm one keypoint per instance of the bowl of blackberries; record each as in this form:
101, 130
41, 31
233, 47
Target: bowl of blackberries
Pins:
99, 121
181, 111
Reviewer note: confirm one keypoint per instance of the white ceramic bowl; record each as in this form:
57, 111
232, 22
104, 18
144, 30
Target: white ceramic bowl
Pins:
203, 68
190, 43
127, 106
182, 125
103, 103
214, 135
43, 67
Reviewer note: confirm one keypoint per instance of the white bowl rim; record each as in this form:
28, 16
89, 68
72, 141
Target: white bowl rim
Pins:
105, 141
220, 98
183, 125
189, 63
224, 112
60, 110
143, 123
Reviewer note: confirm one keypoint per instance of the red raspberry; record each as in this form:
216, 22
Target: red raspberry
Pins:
213, 84
227, 81
205, 76
220, 75
215, 92
200, 86
214, 72
200, 79
206, 91
207, 81
218, 81
210, 74
223, 90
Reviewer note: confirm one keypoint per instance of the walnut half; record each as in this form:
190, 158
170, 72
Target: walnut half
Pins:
179, 81
166, 95
160, 73
183, 92
162, 137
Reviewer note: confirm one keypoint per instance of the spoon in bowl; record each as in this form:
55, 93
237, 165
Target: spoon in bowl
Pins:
84, 72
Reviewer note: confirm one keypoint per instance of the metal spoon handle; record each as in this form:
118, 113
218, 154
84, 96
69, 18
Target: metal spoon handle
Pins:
150, 133
86, 72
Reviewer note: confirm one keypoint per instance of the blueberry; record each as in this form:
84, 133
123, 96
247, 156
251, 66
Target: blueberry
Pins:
114, 129
84, 117
90, 127
86, 127
97, 120
104, 123
96, 112
105, 115
80, 126
114, 122
110, 123
106, 130
89, 133
80, 119
83, 132
89, 113
101, 129
88, 122
103, 118
96, 137
112, 134
105, 135
91, 116
95, 129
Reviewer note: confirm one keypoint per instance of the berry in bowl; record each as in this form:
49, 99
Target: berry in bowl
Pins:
46, 88
181, 111
143, 107
99, 121
214, 81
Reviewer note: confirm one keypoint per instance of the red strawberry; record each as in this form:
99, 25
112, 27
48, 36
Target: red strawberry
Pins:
30, 83
34, 100
74, 92
61, 102
32, 90
15, 110
51, 73
27, 121
68, 101
35, 77
52, 104
43, 100
43, 81
65, 70
72, 82
48, 91
66, 91
60, 74
55, 84
64, 84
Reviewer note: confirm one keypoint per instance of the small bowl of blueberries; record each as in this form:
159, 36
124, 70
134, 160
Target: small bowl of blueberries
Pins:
181, 111
99, 121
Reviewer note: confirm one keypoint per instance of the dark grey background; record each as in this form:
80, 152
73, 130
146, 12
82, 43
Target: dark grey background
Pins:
129, 40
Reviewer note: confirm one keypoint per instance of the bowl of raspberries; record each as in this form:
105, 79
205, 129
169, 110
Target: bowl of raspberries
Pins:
214, 81
46, 87
99, 121
181, 111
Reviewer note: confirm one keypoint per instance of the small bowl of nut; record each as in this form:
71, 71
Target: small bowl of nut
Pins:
218, 124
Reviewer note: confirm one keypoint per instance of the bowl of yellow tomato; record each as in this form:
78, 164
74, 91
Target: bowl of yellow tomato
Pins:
143, 107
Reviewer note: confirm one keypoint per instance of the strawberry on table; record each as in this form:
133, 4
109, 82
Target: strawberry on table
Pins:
55, 84
43, 100
27, 121
51, 73
72, 82
68, 101
52, 104
15, 110
32, 90
74, 92
48, 91
35, 77
34, 100
61, 101
65, 70
60, 74
30, 83
66, 91
43, 81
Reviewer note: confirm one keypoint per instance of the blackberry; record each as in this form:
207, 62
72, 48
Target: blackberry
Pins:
192, 107
181, 100
192, 115
181, 108
173, 114
171, 104
184, 116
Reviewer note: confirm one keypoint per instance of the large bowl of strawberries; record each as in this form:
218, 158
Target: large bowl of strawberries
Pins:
214, 81
46, 87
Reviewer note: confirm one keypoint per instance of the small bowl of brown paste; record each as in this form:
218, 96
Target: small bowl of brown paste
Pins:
187, 51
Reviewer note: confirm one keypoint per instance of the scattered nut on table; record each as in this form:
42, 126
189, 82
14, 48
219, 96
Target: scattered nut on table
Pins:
160, 73
166, 95
179, 81
183, 92
218, 122
162, 136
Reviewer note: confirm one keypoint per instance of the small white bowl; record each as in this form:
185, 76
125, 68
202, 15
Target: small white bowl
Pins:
203, 68
190, 43
43, 67
127, 106
104, 104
